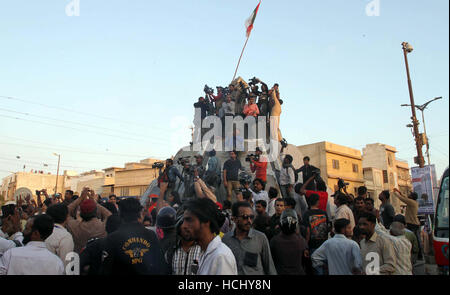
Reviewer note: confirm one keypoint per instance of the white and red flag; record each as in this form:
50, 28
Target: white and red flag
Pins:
249, 22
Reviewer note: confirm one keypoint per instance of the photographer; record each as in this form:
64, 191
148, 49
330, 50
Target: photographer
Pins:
307, 171
217, 99
170, 174
258, 165
202, 104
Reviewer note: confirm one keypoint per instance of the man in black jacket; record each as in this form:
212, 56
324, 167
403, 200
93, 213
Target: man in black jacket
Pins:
307, 171
133, 249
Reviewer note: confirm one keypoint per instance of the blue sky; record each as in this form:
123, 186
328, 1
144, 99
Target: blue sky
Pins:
134, 68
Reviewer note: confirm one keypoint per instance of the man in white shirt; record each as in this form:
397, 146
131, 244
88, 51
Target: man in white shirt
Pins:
341, 254
259, 193
287, 175
60, 242
273, 195
34, 258
343, 211
202, 221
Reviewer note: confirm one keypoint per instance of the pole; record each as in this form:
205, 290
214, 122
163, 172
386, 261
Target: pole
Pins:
235, 72
57, 173
425, 132
413, 110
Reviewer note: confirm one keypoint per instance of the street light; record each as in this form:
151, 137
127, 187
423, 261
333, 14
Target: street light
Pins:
57, 171
422, 109
407, 48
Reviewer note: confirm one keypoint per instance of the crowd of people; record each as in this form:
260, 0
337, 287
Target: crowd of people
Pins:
255, 230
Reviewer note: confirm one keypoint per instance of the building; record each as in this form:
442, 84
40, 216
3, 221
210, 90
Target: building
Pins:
336, 161
394, 171
93, 179
134, 179
32, 181
109, 184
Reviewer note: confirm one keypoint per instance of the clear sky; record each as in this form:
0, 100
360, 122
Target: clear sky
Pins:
132, 69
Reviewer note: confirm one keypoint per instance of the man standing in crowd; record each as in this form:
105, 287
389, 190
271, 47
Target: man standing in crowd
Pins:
273, 195
258, 191
133, 249
343, 211
359, 207
411, 238
88, 226
287, 176
60, 242
34, 258
203, 220
275, 219
275, 113
370, 206
10, 231
289, 248
231, 175
412, 208
375, 244
68, 195
259, 166
251, 109
387, 212
262, 219
165, 228
213, 172
362, 192
307, 171
316, 223
340, 254
183, 258
250, 247
113, 201
321, 191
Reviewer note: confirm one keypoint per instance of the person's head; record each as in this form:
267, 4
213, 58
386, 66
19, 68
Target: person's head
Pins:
243, 216
289, 203
397, 229
169, 162
288, 159
130, 210
342, 226
357, 234
359, 204
321, 186
248, 197
199, 159
59, 213
340, 199
279, 206
258, 151
231, 87
288, 221
228, 98
147, 222
212, 153
362, 191
113, 199
174, 198
366, 223
38, 228
297, 188
112, 223
233, 155
201, 98
384, 196
273, 193
226, 205
400, 218
259, 185
88, 209
68, 195
276, 86
166, 218
413, 196
369, 204
251, 100
306, 161
313, 201
260, 207
202, 218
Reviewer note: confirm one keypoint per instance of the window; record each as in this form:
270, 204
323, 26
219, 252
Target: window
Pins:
355, 168
335, 164
385, 176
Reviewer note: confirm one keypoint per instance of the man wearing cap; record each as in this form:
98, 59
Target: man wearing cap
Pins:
89, 226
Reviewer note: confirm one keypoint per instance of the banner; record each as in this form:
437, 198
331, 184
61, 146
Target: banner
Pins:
424, 184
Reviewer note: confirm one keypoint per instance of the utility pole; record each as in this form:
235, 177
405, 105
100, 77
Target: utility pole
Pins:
407, 48
57, 172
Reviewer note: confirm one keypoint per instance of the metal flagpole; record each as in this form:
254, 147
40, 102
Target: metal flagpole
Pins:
240, 57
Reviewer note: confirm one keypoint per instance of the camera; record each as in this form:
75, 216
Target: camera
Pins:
253, 81
208, 90
284, 143
250, 156
342, 184
225, 91
158, 165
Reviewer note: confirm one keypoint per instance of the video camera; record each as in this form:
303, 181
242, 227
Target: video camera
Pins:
158, 165
208, 90
250, 156
253, 81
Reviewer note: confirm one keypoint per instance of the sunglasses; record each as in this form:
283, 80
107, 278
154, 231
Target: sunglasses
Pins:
252, 217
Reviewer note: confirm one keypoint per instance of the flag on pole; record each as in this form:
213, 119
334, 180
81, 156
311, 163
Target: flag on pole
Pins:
249, 22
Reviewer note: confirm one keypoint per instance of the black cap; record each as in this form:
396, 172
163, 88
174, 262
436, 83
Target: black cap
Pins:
400, 218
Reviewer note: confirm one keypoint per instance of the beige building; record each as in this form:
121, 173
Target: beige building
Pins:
134, 179
30, 180
336, 161
394, 172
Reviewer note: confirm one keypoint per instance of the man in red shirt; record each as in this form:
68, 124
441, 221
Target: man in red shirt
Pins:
259, 166
321, 191
251, 109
